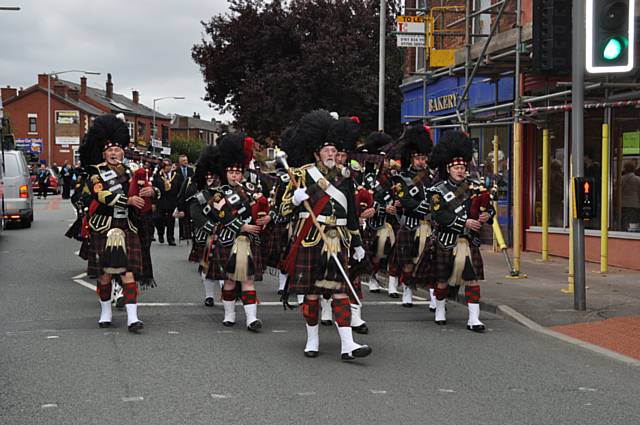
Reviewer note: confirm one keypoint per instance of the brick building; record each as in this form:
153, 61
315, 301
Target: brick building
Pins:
73, 107
194, 127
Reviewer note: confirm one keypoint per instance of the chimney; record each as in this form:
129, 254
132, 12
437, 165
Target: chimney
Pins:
83, 86
73, 93
60, 89
7, 93
109, 87
196, 115
136, 96
42, 81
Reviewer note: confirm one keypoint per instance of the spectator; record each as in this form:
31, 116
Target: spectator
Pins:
630, 196
43, 177
67, 180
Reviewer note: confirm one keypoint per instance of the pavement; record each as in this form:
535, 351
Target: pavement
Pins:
610, 324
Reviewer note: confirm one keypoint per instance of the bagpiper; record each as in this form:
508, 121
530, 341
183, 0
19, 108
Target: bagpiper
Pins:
114, 240
321, 199
410, 189
238, 212
459, 210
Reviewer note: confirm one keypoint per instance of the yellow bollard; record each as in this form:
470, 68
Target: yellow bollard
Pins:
517, 195
496, 150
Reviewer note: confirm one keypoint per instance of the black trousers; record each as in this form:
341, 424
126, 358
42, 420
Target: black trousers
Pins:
165, 221
42, 190
66, 190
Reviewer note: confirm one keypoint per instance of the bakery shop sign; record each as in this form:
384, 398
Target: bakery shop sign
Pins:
441, 103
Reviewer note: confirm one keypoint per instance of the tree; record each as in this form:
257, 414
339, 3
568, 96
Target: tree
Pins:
268, 63
188, 146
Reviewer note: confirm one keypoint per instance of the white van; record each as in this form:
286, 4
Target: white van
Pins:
18, 193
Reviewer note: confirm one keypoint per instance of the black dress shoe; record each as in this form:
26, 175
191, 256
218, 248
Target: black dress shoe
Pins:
228, 324
441, 322
363, 351
208, 302
476, 328
394, 295
104, 325
431, 309
255, 326
363, 329
172, 243
136, 327
407, 305
374, 291
161, 239
326, 322
311, 354
120, 302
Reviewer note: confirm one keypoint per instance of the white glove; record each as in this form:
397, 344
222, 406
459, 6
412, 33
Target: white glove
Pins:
299, 196
358, 253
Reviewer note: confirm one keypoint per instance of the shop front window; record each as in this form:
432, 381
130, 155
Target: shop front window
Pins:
555, 126
625, 170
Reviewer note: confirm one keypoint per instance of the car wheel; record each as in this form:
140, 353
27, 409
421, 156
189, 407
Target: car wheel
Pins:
25, 223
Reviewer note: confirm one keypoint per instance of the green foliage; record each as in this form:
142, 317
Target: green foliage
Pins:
189, 146
268, 63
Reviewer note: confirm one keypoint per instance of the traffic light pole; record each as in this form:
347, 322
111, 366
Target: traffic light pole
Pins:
577, 146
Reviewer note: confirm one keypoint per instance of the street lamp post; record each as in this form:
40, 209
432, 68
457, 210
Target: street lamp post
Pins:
49, 105
153, 129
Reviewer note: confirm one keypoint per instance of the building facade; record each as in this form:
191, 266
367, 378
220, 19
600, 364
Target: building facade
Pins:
195, 128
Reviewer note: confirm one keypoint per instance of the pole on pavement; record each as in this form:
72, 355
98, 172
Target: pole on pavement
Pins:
381, 65
577, 147
604, 199
545, 194
153, 129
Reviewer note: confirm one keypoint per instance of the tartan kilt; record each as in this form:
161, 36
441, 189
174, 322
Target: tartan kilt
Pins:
368, 240
185, 229
275, 242
403, 250
442, 262
197, 251
145, 232
134, 253
423, 275
303, 277
220, 256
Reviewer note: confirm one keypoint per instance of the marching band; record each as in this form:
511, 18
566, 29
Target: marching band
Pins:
328, 212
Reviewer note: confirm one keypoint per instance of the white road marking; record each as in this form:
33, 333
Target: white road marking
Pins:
306, 394
53, 337
173, 332
587, 389
443, 390
167, 304
85, 284
415, 297
225, 332
279, 331
220, 396
132, 399
378, 391
49, 405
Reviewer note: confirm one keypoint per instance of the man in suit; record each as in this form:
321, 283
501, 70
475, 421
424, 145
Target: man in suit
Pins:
184, 173
166, 181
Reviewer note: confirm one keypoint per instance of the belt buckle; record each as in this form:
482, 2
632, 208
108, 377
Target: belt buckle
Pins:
120, 213
331, 220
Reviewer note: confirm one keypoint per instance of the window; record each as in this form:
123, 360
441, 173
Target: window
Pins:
33, 126
141, 128
131, 127
165, 134
625, 170
555, 125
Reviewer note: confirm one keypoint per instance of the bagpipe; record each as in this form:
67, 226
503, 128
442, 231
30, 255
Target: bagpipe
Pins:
139, 180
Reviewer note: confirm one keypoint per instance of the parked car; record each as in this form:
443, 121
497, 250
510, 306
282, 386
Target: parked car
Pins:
18, 192
54, 182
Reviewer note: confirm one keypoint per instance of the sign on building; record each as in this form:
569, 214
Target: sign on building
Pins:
30, 145
67, 128
411, 31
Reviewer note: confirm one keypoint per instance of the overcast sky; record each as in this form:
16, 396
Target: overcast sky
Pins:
144, 44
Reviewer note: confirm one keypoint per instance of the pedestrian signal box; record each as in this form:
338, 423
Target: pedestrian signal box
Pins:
584, 198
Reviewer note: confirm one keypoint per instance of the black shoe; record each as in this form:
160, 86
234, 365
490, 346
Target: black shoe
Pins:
431, 309
280, 292
153, 239
374, 291
363, 351
311, 354
255, 326
104, 325
407, 305
135, 327
172, 243
326, 322
161, 239
394, 295
441, 322
363, 329
208, 302
120, 302
228, 324
476, 328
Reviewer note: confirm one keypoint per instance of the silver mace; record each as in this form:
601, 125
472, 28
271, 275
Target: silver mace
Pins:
281, 157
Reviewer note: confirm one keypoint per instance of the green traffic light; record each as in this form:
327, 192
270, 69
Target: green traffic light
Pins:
612, 50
